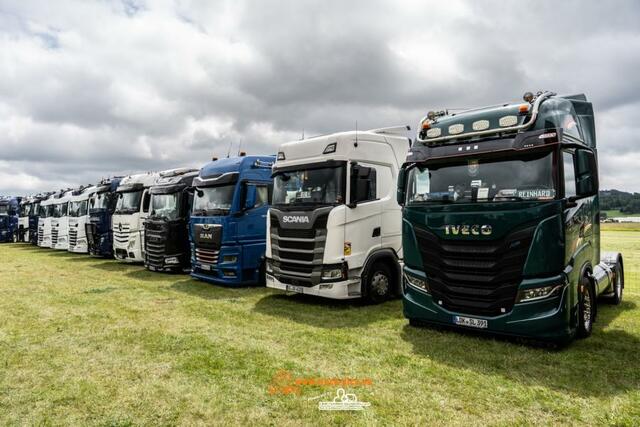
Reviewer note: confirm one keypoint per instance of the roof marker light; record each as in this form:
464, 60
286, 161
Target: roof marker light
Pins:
434, 133
480, 125
280, 155
456, 129
426, 124
331, 148
523, 108
507, 121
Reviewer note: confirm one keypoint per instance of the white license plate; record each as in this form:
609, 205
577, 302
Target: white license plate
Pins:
205, 267
298, 289
471, 322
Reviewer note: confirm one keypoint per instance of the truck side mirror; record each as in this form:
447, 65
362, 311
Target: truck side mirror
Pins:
401, 192
250, 197
586, 173
353, 182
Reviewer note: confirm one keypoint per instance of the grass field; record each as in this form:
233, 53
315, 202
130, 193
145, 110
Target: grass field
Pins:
88, 341
616, 214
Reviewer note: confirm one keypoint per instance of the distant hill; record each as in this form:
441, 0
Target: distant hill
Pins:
615, 200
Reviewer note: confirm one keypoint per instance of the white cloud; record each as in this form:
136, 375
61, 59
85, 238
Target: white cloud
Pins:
90, 88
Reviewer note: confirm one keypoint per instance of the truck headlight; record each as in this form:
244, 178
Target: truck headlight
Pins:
334, 272
132, 242
268, 266
534, 294
230, 258
416, 282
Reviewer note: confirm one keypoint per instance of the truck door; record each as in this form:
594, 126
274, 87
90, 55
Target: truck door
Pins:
144, 214
252, 224
363, 215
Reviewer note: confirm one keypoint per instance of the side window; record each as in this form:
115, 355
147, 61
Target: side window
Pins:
146, 199
569, 175
364, 183
262, 196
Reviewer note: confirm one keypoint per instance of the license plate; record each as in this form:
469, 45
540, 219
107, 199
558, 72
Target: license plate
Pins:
297, 289
205, 267
470, 322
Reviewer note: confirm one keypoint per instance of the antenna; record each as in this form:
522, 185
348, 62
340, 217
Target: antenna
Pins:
356, 143
239, 146
229, 150
302, 134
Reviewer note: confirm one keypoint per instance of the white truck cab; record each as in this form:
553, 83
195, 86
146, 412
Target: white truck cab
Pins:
334, 226
78, 217
132, 209
60, 222
44, 221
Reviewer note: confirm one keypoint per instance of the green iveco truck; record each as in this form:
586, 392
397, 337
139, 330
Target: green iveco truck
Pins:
501, 227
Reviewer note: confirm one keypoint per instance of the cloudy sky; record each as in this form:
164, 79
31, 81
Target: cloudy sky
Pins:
94, 88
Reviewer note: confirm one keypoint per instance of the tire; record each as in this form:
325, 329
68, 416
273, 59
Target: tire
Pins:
618, 285
378, 284
586, 308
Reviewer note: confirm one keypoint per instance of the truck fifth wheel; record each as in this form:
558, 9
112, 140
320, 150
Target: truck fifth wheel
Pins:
334, 224
501, 221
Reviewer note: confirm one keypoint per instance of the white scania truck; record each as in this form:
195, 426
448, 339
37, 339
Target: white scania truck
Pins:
60, 222
78, 218
334, 227
44, 221
132, 209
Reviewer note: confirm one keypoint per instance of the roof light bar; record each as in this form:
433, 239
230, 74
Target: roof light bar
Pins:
532, 118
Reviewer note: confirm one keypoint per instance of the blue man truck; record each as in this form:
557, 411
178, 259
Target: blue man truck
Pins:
9, 210
228, 220
102, 204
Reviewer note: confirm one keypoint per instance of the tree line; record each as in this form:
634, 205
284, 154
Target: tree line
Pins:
628, 203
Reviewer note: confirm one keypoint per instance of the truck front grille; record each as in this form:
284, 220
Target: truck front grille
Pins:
54, 237
73, 238
155, 241
207, 257
121, 234
478, 277
40, 235
297, 253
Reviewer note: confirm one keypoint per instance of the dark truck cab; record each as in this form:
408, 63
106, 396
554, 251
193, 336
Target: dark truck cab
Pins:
102, 204
501, 227
167, 228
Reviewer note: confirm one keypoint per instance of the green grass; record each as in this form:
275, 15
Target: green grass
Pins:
615, 213
87, 341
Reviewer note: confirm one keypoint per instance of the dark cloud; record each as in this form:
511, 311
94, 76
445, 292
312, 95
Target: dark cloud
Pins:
89, 89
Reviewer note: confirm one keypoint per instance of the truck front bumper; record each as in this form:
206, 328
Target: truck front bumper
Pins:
345, 289
226, 273
547, 319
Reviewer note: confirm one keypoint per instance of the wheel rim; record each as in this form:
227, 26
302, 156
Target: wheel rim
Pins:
380, 283
618, 285
586, 308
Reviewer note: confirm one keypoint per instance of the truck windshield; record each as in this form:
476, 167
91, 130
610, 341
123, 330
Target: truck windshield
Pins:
60, 210
320, 186
477, 179
129, 202
101, 201
165, 206
25, 210
50, 210
78, 208
213, 200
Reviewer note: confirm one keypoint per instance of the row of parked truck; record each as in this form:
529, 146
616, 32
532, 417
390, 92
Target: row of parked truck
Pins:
488, 220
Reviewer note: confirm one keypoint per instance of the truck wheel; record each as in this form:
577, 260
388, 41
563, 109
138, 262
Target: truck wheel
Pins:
586, 308
378, 284
618, 285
